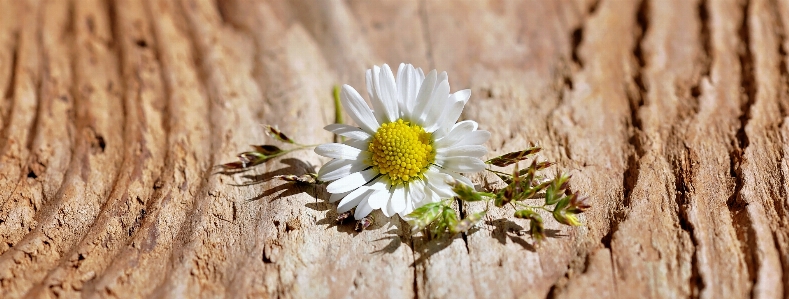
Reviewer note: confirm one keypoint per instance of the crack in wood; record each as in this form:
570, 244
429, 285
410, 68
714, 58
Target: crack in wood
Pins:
462, 212
706, 43
593, 7
9, 93
682, 164
415, 269
783, 105
743, 225
10, 88
748, 80
683, 174
576, 38
636, 101
34, 125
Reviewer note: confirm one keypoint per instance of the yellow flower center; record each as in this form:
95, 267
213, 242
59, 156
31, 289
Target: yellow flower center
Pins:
402, 151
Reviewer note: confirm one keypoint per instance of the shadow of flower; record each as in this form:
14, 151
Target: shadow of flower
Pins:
294, 166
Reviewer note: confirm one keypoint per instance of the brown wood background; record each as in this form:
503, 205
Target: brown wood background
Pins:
669, 114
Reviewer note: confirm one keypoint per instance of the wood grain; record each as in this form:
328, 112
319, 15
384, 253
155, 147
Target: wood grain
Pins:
670, 115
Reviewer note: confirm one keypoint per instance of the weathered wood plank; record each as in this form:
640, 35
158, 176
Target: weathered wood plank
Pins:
718, 224
21, 97
18, 198
96, 157
761, 178
519, 87
142, 159
137, 269
669, 114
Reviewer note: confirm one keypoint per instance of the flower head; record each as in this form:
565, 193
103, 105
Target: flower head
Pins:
406, 148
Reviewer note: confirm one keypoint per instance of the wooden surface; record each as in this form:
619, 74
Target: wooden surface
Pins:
669, 114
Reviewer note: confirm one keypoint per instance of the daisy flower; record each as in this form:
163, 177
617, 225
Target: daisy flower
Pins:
406, 148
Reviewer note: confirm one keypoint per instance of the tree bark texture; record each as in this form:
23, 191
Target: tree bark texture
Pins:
669, 114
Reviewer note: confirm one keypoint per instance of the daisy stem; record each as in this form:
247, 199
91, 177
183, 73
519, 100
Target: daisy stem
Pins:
487, 194
498, 172
542, 207
337, 105
298, 148
337, 111
302, 146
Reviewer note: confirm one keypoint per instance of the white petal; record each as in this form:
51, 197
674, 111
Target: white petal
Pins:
463, 151
457, 101
463, 164
358, 110
474, 125
388, 93
423, 97
353, 199
362, 145
363, 209
462, 95
442, 77
403, 74
458, 177
381, 183
347, 131
420, 76
474, 138
437, 106
337, 196
458, 132
409, 80
416, 192
409, 207
387, 210
332, 166
437, 182
397, 202
430, 196
373, 95
339, 168
353, 181
368, 78
379, 198
341, 151
374, 90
